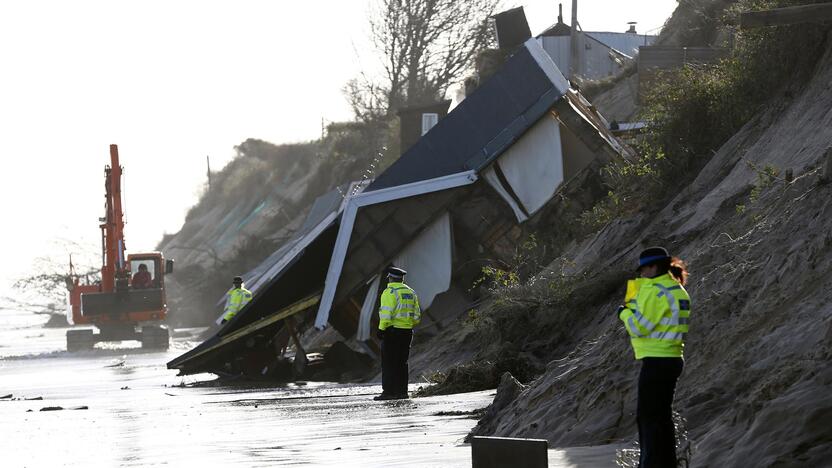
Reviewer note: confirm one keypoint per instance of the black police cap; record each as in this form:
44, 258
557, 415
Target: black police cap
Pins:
396, 272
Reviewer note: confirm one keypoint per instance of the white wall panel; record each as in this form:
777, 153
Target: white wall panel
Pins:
427, 260
369, 307
532, 166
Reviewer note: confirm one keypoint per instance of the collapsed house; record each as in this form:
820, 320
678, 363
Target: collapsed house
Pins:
463, 196
285, 283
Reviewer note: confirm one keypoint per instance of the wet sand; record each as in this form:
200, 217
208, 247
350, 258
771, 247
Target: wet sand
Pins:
140, 414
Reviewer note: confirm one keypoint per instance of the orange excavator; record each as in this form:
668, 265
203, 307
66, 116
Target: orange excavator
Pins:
128, 302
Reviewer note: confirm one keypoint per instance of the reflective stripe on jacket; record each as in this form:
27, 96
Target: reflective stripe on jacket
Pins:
399, 307
237, 298
657, 319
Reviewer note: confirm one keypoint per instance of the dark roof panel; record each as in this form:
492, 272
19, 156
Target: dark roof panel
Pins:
480, 127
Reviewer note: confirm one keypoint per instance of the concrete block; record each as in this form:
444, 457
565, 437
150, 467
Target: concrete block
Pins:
502, 452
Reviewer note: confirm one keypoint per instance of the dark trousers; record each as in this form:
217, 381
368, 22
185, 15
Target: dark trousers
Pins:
656, 434
395, 349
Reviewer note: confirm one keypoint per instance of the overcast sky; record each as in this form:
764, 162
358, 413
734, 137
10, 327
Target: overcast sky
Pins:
171, 82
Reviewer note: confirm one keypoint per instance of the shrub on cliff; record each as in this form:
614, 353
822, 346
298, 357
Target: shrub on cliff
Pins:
693, 111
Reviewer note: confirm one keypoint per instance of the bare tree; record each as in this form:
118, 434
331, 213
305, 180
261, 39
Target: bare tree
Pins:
44, 290
50, 276
425, 46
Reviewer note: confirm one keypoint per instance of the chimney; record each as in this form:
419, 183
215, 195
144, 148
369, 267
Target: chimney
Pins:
415, 121
512, 28
560, 13
632, 29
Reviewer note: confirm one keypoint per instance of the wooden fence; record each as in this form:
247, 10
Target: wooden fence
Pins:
654, 59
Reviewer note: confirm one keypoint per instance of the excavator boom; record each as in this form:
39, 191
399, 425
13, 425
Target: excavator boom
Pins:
112, 230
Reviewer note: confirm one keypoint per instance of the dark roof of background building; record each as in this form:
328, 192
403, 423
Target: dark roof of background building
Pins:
558, 29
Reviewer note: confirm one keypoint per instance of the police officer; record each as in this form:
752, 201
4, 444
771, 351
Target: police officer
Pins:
398, 314
656, 318
238, 296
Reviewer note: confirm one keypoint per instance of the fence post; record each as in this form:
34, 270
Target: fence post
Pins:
826, 169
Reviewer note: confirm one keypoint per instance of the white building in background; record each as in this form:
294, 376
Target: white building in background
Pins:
600, 54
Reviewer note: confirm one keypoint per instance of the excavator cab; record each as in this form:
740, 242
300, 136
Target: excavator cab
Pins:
138, 301
147, 272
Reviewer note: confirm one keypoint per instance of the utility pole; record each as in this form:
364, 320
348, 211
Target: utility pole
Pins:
208, 160
574, 62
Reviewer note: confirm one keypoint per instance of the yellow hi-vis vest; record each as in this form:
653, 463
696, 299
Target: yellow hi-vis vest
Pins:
657, 318
399, 307
237, 298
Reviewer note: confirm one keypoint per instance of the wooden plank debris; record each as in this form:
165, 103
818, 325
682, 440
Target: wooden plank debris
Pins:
299, 364
815, 13
288, 311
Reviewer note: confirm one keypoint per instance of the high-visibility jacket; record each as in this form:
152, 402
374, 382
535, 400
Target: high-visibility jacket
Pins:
399, 307
237, 298
657, 318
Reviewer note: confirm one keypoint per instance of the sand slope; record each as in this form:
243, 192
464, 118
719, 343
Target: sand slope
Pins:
757, 387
